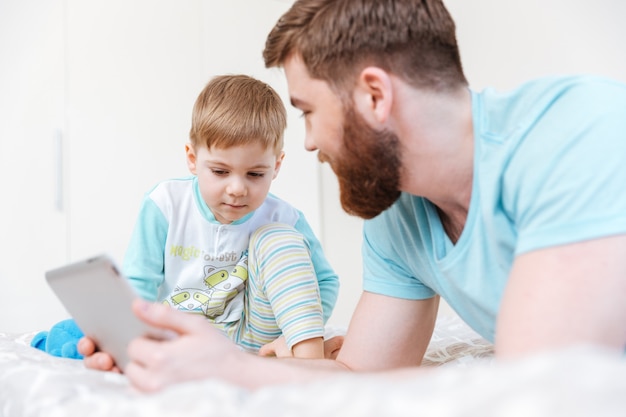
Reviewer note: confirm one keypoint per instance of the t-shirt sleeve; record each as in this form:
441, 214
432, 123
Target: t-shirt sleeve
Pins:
391, 258
566, 182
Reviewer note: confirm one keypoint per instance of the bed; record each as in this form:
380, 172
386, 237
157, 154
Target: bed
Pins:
461, 378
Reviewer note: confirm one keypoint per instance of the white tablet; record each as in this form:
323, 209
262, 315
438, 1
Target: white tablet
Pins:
99, 298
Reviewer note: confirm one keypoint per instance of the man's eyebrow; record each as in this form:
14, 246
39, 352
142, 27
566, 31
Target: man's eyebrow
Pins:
296, 102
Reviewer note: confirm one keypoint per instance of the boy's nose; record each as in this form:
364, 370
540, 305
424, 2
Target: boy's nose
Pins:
236, 187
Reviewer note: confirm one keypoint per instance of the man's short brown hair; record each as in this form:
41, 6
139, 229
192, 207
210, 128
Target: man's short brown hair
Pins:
413, 39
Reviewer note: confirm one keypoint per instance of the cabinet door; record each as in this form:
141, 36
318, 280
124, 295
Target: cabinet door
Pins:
32, 209
116, 81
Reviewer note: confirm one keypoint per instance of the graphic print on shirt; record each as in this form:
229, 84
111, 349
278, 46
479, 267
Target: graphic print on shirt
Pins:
219, 287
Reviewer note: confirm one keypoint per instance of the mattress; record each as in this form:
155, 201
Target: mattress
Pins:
460, 377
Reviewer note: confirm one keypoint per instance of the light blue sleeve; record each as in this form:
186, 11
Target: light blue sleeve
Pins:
566, 181
326, 276
394, 253
144, 260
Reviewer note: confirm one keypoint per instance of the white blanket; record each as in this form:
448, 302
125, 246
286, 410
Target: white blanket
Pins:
461, 379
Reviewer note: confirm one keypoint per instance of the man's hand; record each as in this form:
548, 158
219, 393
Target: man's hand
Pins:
93, 358
198, 351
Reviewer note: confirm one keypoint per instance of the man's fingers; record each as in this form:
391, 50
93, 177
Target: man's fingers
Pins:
143, 379
167, 318
86, 346
100, 361
93, 359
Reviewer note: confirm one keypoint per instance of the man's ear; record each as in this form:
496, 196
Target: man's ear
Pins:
279, 163
191, 158
373, 95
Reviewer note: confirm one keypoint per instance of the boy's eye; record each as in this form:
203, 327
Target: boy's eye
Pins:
219, 171
256, 174
304, 113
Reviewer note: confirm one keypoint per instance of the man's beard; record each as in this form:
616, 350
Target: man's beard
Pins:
368, 168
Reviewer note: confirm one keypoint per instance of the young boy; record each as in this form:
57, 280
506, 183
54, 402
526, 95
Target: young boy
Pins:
219, 245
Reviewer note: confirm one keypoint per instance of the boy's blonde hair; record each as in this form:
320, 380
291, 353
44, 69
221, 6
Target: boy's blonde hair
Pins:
234, 110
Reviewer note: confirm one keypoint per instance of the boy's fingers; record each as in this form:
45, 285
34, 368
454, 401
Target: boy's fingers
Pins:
276, 348
332, 347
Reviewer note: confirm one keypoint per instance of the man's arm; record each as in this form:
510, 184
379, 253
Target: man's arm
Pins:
385, 333
565, 295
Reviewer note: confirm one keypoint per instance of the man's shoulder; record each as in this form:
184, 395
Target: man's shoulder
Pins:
505, 114
548, 90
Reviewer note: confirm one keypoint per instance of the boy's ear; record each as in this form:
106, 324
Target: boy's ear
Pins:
373, 95
279, 163
191, 158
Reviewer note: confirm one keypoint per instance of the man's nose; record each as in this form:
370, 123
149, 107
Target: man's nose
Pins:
309, 143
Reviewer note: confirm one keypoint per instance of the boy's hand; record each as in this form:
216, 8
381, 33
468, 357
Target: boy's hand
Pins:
279, 348
332, 347
94, 359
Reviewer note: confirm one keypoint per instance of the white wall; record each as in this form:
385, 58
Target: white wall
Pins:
503, 43
120, 55
117, 81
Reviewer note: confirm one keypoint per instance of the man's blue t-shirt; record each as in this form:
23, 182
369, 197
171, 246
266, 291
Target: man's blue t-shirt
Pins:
549, 169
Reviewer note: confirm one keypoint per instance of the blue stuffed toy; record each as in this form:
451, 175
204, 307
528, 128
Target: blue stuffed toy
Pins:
61, 340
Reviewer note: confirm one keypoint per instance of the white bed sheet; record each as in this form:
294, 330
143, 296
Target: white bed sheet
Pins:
462, 380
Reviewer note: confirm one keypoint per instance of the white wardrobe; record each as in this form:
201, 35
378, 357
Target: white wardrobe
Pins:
95, 108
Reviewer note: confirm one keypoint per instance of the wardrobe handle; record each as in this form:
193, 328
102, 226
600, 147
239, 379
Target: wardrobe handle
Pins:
58, 168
